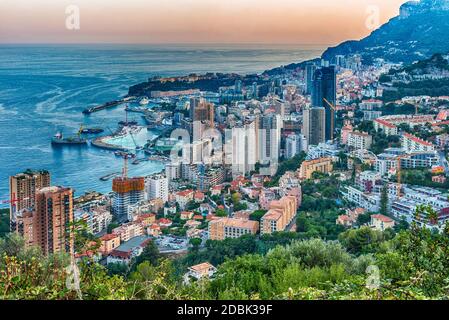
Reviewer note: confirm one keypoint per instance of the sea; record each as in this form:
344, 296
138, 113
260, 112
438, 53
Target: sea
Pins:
44, 88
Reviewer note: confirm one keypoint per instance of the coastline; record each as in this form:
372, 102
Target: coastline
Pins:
58, 90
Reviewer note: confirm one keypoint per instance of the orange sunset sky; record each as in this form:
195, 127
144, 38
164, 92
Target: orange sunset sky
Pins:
191, 21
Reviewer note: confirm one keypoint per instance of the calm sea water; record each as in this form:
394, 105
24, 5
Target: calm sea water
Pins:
43, 89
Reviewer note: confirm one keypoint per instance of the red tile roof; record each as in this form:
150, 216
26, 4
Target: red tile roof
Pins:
417, 140
109, 236
385, 123
382, 218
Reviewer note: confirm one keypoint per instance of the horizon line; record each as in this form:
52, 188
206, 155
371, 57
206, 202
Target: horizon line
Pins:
171, 43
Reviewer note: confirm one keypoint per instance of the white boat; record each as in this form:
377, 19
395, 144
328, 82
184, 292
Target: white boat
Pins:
144, 101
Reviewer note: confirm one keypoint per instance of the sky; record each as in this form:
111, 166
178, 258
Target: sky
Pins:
192, 21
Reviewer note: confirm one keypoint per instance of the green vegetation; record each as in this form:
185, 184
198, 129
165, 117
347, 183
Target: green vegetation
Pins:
319, 224
412, 265
380, 140
319, 209
421, 177
257, 215
292, 164
221, 213
384, 200
4, 222
364, 240
396, 109
112, 226
433, 88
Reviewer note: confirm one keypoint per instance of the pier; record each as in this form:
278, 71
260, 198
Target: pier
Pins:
108, 105
109, 176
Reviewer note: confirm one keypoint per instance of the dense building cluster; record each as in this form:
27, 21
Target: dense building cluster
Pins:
239, 158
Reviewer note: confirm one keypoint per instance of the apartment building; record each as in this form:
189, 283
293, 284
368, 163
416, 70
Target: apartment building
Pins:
54, 213
308, 167
109, 242
157, 187
127, 191
280, 215
380, 222
386, 127
411, 143
359, 140
22, 190
128, 231
367, 201
224, 228
415, 196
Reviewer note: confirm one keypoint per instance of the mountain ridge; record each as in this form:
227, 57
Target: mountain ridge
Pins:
420, 30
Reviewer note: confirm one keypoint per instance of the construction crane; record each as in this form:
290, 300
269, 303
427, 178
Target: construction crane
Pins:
13, 200
416, 108
330, 104
399, 173
127, 154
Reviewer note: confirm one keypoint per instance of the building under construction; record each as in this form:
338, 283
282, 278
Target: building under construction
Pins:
127, 191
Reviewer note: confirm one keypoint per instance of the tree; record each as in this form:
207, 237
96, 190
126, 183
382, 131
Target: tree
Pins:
195, 242
150, 254
363, 218
4, 222
257, 215
362, 240
221, 213
384, 200
235, 197
112, 226
426, 212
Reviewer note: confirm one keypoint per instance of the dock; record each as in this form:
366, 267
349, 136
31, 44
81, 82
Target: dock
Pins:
99, 143
108, 105
109, 176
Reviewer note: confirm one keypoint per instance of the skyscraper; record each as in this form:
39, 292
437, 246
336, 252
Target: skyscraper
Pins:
269, 140
314, 122
238, 86
22, 190
48, 224
243, 148
324, 89
310, 71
